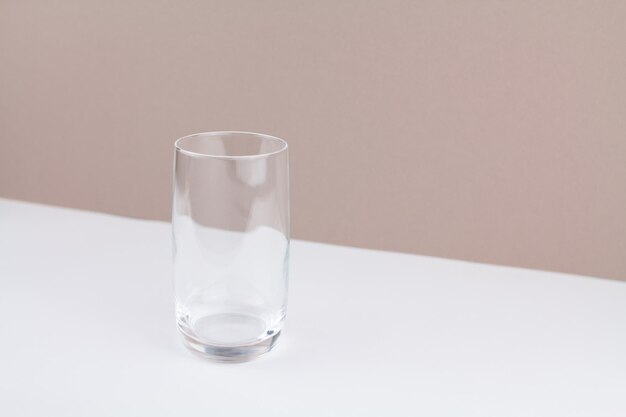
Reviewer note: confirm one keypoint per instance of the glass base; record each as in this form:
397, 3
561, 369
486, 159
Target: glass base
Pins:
228, 337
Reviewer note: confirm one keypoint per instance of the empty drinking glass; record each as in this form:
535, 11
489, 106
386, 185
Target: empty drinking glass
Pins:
230, 242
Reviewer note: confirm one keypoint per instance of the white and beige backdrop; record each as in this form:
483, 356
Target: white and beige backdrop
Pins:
490, 131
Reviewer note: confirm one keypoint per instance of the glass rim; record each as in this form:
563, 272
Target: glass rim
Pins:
283, 144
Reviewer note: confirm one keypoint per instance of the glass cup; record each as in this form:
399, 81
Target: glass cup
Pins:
230, 222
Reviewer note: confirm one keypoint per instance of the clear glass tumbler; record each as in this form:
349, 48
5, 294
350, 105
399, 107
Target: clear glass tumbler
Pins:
230, 242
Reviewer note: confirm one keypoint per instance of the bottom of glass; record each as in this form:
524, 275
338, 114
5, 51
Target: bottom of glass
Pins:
228, 337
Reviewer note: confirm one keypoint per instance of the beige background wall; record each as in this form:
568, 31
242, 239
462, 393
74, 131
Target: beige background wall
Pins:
492, 131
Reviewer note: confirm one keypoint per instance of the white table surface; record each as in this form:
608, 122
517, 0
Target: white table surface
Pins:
87, 329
